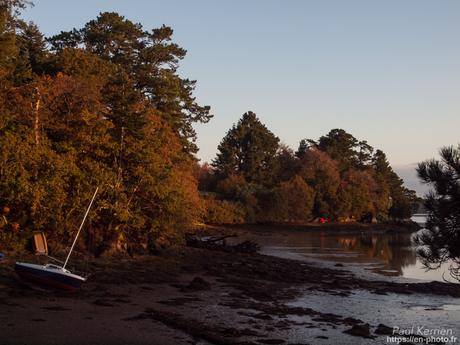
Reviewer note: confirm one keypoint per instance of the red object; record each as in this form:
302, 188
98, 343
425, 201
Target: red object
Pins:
322, 220
15, 227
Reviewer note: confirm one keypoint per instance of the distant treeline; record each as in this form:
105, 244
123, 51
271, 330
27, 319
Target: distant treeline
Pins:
337, 178
104, 106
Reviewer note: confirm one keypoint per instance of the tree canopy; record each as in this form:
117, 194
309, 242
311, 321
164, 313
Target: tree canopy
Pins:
248, 149
440, 242
147, 62
337, 177
103, 106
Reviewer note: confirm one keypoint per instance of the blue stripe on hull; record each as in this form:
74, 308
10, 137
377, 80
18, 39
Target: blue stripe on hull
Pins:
48, 278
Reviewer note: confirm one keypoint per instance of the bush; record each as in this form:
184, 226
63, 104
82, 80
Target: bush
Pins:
291, 201
223, 212
10, 239
236, 189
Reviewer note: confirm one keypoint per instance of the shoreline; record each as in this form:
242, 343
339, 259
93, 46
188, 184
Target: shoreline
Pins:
195, 295
405, 227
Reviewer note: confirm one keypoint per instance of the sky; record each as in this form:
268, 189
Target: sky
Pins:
385, 71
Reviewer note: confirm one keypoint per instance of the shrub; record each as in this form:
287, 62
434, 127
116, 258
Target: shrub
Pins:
223, 212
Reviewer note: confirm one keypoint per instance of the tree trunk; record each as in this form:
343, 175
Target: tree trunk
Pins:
37, 117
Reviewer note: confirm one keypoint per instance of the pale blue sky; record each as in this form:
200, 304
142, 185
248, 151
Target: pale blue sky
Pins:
386, 71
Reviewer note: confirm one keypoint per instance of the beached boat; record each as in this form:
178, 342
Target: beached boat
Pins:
49, 275
54, 275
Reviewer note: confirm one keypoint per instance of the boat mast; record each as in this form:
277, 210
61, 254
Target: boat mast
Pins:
81, 226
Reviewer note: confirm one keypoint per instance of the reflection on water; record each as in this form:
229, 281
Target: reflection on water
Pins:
392, 250
394, 254
385, 253
390, 254
419, 218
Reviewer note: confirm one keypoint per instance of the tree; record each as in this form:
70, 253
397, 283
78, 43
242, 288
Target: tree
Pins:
303, 148
33, 183
105, 106
364, 156
343, 147
360, 171
394, 200
205, 176
356, 195
286, 163
249, 150
150, 109
440, 242
321, 172
235, 188
402, 203
147, 64
14, 64
8, 48
293, 201
33, 56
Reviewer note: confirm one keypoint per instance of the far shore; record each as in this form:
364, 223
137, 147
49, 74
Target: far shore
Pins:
402, 226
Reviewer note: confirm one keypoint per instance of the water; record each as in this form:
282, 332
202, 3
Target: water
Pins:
373, 254
419, 218
369, 255
404, 311
376, 255
387, 254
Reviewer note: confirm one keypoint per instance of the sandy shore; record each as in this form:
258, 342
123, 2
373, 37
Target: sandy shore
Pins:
194, 296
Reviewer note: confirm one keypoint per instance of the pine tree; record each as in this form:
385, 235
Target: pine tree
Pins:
248, 149
440, 242
391, 188
343, 147
148, 63
8, 48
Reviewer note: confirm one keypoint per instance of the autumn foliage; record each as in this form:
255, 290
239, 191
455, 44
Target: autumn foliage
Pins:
104, 105
98, 106
336, 178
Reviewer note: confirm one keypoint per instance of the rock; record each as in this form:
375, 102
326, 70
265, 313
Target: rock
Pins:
384, 330
380, 292
197, 284
359, 330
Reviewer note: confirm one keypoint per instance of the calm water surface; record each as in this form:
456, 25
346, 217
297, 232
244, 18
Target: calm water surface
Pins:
387, 254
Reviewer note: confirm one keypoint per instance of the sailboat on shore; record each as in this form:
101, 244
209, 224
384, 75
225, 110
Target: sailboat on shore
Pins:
51, 274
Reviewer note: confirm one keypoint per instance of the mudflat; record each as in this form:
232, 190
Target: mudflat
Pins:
192, 295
